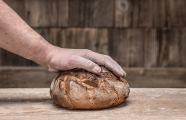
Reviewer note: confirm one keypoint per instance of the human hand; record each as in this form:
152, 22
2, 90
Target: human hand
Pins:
66, 59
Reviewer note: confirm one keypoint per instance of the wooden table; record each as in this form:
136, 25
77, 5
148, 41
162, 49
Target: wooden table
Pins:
143, 103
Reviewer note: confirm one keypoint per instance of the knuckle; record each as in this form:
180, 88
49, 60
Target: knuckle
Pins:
86, 51
108, 57
89, 63
113, 68
70, 66
71, 62
72, 59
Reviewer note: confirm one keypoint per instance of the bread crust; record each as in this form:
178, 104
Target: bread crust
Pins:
80, 89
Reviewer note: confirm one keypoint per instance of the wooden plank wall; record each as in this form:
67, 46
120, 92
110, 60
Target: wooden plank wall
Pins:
38, 77
135, 33
146, 37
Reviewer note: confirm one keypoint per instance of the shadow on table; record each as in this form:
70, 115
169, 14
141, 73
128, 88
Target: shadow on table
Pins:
124, 104
24, 100
49, 101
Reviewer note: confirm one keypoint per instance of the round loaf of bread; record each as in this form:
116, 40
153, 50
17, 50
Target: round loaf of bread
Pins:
80, 89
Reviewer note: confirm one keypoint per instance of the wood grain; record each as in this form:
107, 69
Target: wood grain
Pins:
156, 77
126, 47
1, 57
18, 6
63, 13
23, 77
159, 13
10, 59
174, 41
183, 48
44, 13
140, 13
126, 13
165, 48
176, 13
151, 48
146, 103
81, 38
145, 13
38, 77
129, 47
142, 33
95, 13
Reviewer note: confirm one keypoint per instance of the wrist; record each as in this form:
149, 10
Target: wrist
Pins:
41, 51
51, 52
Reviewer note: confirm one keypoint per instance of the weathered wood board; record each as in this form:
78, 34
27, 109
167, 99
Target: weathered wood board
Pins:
101, 13
10, 59
140, 13
23, 77
165, 48
129, 47
176, 16
156, 77
37, 77
91, 13
148, 47
150, 13
46, 13
136, 33
18, 6
126, 46
81, 38
161, 104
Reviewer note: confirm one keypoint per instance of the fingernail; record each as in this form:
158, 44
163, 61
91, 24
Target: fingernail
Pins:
121, 74
125, 74
97, 69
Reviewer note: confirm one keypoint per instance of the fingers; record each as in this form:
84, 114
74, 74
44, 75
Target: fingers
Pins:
84, 59
107, 61
83, 63
114, 65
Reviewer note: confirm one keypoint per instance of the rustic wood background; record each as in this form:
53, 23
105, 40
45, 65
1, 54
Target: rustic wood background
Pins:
135, 33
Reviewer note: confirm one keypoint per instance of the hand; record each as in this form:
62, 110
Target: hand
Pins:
66, 59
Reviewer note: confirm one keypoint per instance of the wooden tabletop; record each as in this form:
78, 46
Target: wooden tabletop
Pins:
143, 103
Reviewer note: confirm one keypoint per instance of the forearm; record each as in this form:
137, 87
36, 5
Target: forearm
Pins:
17, 37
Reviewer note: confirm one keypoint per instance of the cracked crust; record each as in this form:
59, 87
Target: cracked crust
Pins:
80, 89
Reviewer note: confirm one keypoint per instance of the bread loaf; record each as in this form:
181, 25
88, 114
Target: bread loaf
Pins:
80, 89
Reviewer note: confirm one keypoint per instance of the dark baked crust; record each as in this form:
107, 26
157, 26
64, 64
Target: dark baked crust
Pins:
80, 89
